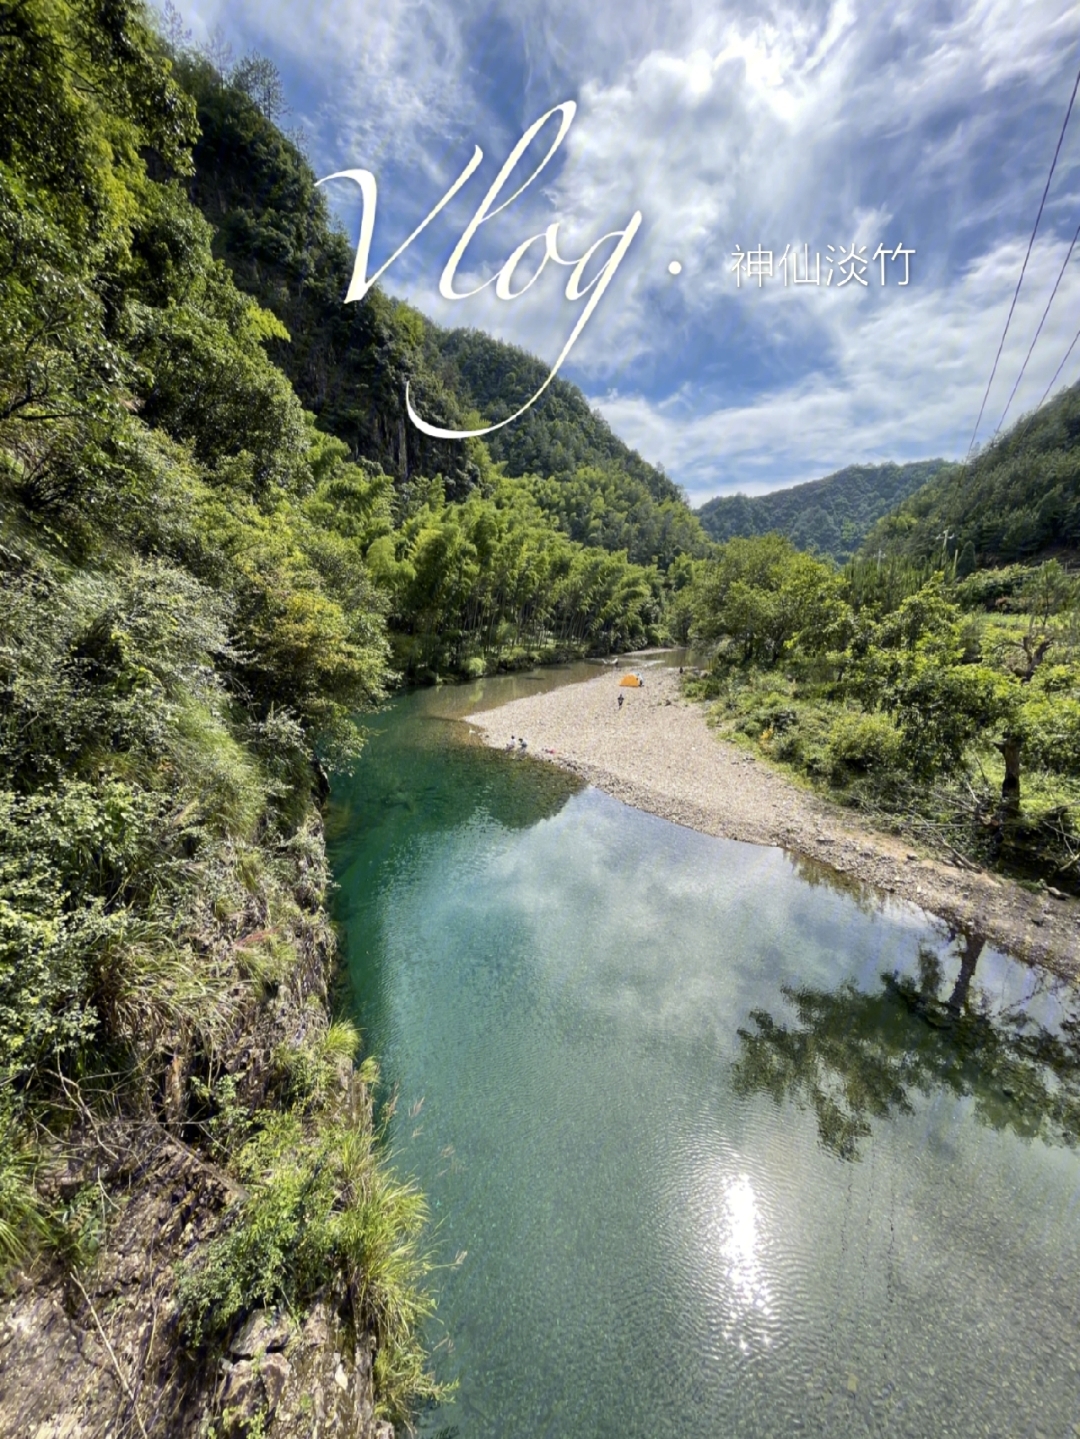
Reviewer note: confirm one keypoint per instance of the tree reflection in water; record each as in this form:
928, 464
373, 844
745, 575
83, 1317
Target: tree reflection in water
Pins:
856, 1057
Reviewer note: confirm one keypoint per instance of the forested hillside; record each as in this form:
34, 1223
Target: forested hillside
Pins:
934, 679
350, 364
831, 516
220, 543
271, 226
598, 490
559, 434
898, 690
188, 627
1019, 499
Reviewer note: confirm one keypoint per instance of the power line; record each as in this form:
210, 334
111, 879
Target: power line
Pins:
1038, 332
1059, 369
1027, 257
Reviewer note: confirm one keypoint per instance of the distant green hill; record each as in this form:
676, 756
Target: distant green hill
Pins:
830, 516
586, 480
1018, 500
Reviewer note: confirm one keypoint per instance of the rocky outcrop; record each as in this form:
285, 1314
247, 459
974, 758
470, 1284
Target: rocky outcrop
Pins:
85, 1355
301, 1380
90, 1343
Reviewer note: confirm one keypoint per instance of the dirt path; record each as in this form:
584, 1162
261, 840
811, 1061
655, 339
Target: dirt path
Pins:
657, 753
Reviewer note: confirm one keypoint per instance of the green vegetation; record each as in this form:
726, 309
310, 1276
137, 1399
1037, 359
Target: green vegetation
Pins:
590, 484
271, 228
559, 435
188, 630
894, 689
219, 544
319, 1199
1018, 500
829, 517
518, 591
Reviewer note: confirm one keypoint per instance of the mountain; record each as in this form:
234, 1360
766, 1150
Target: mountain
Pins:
349, 364
830, 516
272, 227
186, 622
557, 435
1017, 500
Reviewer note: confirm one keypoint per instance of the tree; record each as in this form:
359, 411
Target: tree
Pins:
911, 664
260, 79
765, 598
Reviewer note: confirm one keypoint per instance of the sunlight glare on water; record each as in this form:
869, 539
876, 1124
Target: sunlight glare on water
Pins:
715, 1170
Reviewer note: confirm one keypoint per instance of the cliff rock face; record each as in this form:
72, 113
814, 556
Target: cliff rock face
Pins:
96, 1359
96, 1354
306, 1378
90, 1342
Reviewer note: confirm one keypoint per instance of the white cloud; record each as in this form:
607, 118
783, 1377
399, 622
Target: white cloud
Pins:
713, 156
809, 123
392, 79
908, 376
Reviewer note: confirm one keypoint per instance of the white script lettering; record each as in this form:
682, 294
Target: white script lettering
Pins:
503, 278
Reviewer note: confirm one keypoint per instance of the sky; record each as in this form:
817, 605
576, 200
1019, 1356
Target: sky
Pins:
926, 127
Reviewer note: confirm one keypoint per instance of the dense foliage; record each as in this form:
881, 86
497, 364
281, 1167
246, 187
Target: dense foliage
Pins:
830, 517
1018, 500
186, 622
477, 570
218, 538
350, 364
915, 696
560, 434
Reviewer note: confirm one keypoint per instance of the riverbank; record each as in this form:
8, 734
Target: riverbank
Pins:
95, 1328
657, 753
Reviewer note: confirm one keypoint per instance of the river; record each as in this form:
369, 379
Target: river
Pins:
720, 1156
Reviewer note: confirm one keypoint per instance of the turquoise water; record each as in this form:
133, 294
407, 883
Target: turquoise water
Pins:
855, 1217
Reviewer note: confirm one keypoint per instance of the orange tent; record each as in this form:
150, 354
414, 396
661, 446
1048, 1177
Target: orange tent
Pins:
630, 681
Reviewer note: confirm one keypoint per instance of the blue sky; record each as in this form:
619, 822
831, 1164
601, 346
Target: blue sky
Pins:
929, 125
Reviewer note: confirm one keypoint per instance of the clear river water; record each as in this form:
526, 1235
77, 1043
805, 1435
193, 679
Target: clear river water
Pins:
721, 1158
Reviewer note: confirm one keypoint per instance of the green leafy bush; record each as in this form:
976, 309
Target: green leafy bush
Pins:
864, 744
1051, 732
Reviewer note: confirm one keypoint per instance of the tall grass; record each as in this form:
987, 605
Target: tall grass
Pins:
322, 1200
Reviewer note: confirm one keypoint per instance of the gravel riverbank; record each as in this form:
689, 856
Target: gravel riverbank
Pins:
657, 753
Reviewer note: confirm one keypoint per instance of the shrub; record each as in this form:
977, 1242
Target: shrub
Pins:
22, 1218
1051, 728
1056, 679
772, 712
863, 744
